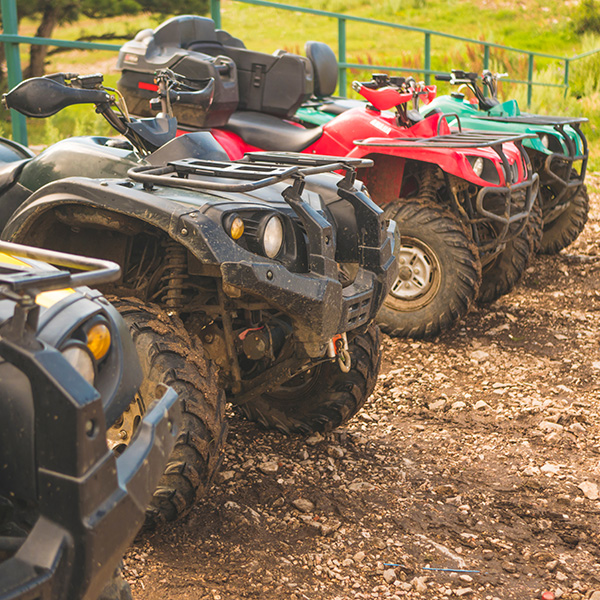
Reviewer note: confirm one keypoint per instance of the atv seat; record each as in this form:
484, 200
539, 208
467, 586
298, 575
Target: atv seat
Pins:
325, 68
270, 133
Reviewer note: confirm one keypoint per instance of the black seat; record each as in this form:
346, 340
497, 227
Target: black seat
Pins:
270, 133
325, 67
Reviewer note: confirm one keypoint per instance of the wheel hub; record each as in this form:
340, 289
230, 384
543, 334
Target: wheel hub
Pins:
119, 435
416, 273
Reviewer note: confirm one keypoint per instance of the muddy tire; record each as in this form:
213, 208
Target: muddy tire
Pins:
535, 225
169, 356
440, 271
565, 229
117, 588
324, 397
504, 272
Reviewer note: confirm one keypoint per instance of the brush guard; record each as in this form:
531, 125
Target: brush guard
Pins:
505, 218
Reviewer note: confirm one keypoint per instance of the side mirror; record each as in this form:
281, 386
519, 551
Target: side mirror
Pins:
41, 97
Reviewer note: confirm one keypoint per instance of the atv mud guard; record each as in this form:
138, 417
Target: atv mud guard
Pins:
472, 139
91, 504
549, 175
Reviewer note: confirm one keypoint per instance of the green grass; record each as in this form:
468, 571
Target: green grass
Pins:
534, 25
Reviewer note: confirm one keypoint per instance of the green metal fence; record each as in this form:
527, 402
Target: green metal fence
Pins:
11, 41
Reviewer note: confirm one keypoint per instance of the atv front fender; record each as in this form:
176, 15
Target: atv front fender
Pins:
317, 305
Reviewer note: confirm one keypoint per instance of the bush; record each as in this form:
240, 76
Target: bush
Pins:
587, 17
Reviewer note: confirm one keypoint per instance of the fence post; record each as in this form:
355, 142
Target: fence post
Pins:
10, 25
530, 80
486, 64
567, 63
342, 83
215, 12
427, 58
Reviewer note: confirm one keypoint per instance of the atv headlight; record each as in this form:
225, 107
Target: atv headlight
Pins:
272, 236
477, 166
98, 340
81, 359
484, 168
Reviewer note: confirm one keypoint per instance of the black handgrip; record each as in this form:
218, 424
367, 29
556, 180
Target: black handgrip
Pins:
444, 77
42, 97
202, 98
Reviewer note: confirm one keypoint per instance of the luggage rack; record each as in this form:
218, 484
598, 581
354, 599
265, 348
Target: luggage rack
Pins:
458, 140
256, 170
525, 119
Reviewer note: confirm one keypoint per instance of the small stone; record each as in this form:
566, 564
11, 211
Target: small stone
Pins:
481, 405
595, 595
314, 439
268, 468
359, 557
226, 476
459, 405
549, 426
479, 355
437, 405
389, 575
335, 452
531, 471
550, 469
589, 489
303, 505
419, 584
348, 562
577, 428
361, 486
560, 576
487, 554
466, 578
551, 566
463, 592
509, 567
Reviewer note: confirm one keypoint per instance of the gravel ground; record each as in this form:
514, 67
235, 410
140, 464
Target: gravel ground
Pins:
472, 472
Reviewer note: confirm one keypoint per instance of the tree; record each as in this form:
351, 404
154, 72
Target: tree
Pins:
55, 12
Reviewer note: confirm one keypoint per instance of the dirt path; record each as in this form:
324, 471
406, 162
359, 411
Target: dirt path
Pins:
479, 451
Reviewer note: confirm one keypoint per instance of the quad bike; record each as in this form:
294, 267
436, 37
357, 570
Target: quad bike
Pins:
558, 149
275, 265
461, 200
558, 152
69, 505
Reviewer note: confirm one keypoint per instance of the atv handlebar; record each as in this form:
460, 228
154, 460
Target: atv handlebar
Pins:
42, 97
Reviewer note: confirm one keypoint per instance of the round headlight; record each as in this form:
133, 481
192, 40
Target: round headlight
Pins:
272, 237
544, 139
98, 340
81, 360
478, 166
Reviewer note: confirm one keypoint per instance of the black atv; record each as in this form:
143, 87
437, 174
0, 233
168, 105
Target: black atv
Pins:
275, 265
69, 506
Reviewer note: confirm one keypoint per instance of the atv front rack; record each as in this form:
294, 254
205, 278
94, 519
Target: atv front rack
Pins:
527, 119
458, 140
256, 169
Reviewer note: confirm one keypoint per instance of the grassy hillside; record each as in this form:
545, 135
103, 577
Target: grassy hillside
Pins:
536, 25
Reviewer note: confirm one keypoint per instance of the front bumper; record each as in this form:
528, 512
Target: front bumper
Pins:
91, 504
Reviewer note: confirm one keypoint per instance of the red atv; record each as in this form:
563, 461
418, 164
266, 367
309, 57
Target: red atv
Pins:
462, 200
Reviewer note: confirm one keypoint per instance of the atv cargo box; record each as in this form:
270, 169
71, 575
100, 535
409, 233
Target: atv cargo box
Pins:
245, 80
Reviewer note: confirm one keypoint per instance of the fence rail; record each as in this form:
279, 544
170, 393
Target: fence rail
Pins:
12, 39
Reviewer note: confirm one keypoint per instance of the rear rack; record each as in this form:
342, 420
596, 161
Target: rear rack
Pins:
458, 140
256, 169
526, 119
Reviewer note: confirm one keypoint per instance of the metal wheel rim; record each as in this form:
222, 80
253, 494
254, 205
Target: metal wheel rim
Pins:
119, 436
420, 272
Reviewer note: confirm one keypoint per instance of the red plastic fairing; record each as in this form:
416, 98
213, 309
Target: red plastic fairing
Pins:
384, 98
